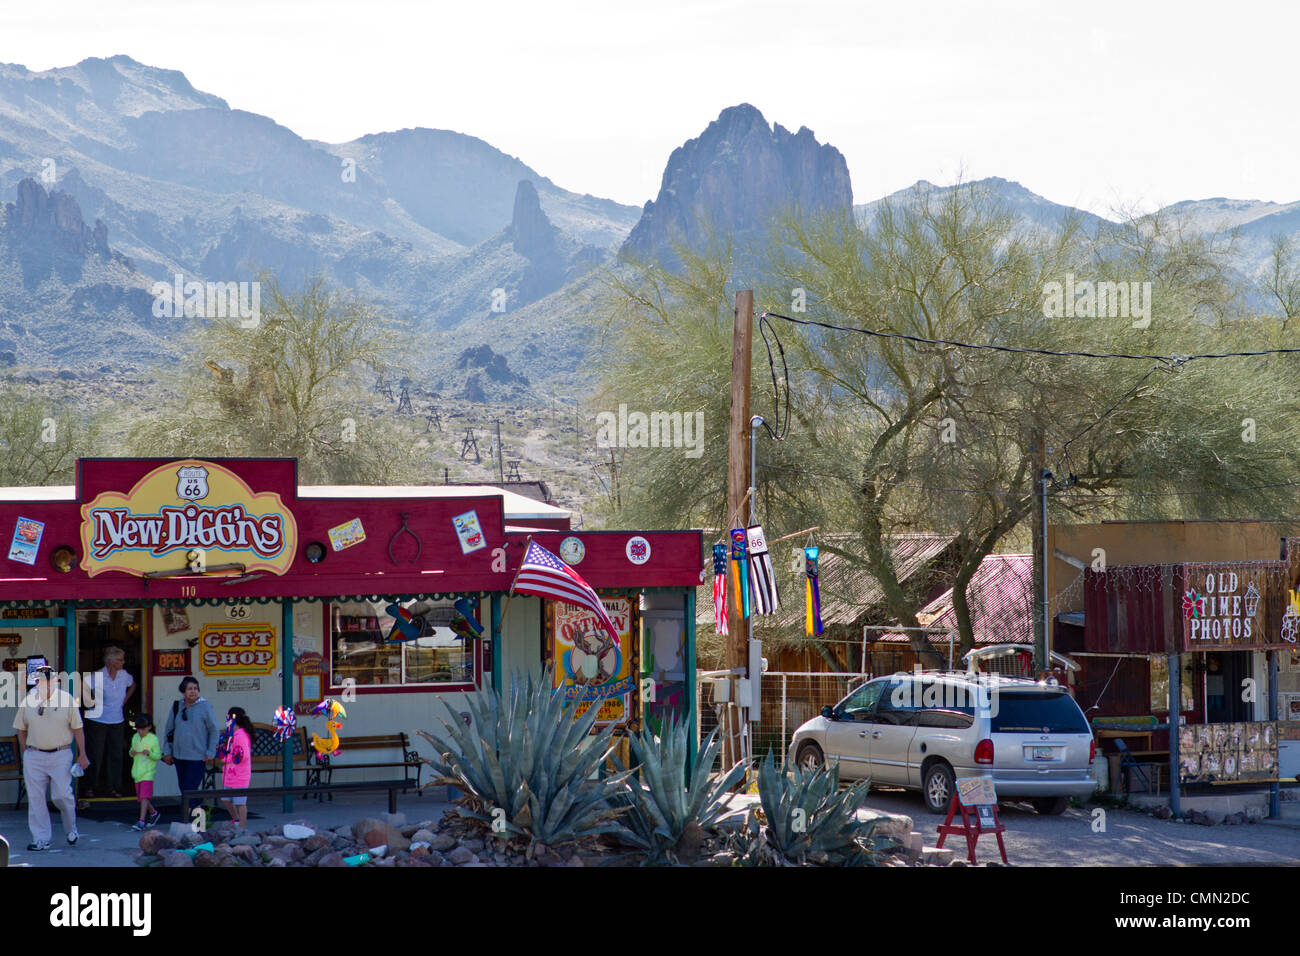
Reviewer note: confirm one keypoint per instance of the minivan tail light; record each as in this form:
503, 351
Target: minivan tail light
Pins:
984, 751
1092, 750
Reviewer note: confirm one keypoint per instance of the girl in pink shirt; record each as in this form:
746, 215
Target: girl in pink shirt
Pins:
236, 756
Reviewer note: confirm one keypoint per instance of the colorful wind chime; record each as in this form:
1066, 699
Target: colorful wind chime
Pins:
751, 572
812, 625
739, 571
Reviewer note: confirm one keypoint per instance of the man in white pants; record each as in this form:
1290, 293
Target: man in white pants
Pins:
48, 722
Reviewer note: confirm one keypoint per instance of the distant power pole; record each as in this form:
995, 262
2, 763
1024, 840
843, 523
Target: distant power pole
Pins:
501, 477
468, 442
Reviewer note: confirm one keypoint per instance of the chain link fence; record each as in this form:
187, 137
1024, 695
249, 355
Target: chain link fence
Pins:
789, 698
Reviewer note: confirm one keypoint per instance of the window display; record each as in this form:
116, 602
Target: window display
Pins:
369, 644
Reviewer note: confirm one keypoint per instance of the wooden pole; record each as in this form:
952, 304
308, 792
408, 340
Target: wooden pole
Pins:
1041, 661
738, 447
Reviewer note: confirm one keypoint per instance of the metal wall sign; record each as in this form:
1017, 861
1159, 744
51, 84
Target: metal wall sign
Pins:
243, 650
187, 514
594, 669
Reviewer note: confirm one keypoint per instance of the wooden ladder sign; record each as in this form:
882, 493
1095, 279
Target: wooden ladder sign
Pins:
978, 803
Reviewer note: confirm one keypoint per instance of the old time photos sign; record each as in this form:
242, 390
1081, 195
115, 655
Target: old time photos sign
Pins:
1241, 606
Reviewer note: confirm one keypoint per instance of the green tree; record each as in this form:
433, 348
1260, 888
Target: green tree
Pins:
40, 438
892, 435
292, 385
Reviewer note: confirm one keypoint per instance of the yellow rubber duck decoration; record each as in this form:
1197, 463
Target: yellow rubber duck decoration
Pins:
327, 746
331, 709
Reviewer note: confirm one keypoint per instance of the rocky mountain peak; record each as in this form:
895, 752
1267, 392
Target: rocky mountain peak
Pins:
531, 233
54, 219
737, 175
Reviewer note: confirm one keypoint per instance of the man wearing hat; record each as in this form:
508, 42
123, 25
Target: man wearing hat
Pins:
48, 722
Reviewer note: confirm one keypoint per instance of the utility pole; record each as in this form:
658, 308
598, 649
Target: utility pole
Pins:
501, 476
738, 452
1042, 627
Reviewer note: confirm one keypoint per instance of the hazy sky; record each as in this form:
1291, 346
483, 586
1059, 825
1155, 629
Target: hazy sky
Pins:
1100, 105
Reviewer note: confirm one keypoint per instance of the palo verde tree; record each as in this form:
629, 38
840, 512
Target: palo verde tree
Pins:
290, 384
41, 437
892, 434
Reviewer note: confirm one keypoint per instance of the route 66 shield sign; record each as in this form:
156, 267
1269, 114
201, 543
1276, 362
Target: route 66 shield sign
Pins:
192, 483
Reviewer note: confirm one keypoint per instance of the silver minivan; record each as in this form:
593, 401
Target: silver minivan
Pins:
923, 730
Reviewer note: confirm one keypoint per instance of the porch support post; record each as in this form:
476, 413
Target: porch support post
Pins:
69, 638
496, 642
692, 718
1175, 701
1274, 788
286, 690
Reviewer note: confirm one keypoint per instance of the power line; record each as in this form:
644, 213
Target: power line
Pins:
1171, 360
1091, 496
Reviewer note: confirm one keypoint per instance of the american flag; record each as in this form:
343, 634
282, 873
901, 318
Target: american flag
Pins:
542, 574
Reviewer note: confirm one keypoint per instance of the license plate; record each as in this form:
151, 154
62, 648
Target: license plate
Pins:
1043, 753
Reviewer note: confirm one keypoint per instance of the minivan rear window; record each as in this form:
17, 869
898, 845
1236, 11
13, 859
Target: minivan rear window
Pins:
1045, 712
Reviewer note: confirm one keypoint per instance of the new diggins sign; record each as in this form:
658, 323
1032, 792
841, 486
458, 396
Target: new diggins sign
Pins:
244, 650
187, 514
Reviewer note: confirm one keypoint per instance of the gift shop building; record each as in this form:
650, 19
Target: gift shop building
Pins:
394, 599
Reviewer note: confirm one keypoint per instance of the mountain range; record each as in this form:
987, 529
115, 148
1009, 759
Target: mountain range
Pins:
115, 175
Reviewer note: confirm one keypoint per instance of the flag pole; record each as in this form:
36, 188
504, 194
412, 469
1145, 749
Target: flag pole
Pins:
511, 593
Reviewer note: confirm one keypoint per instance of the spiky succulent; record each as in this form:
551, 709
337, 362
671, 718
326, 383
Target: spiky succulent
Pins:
527, 755
663, 801
806, 819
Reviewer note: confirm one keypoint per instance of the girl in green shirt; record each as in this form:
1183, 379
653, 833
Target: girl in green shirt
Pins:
145, 753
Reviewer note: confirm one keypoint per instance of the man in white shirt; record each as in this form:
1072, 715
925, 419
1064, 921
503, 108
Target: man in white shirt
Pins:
48, 722
112, 686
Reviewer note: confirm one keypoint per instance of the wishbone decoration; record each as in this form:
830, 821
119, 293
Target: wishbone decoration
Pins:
419, 546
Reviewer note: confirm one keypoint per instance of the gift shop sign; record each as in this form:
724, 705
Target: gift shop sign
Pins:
243, 650
1230, 608
187, 514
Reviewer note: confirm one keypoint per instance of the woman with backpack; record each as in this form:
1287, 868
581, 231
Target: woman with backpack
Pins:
190, 741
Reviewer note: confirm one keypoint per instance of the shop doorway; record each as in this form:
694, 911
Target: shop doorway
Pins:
98, 630
1225, 676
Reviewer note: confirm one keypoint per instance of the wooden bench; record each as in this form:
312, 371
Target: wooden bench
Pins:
268, 755
322, 773
308, 790
11, 766
268, 758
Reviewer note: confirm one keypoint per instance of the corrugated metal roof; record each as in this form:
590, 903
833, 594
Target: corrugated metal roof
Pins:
1000, 596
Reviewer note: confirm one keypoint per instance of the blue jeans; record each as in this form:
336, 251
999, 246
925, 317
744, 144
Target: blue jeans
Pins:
189, 773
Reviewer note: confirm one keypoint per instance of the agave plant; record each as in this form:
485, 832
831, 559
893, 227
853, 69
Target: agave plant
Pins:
527, 755
806, 819
663, 802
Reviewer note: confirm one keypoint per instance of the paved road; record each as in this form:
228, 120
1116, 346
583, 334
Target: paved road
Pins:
1130, 839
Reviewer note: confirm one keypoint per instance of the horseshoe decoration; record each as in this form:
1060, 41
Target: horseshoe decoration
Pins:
419, 546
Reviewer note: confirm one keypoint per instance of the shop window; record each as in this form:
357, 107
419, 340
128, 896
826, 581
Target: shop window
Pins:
438, 656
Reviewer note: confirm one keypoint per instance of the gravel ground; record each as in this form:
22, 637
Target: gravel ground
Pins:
1130, 839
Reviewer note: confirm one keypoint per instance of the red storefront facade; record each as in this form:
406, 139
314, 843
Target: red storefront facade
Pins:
272, 594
